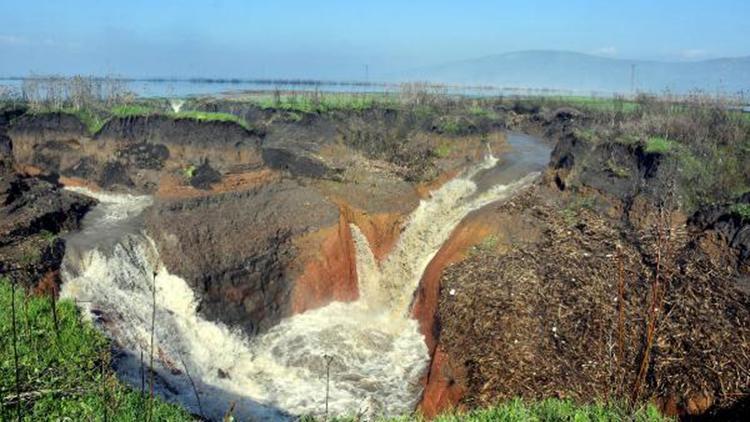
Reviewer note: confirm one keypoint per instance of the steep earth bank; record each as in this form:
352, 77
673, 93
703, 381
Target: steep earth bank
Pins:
554, 293
257, 222
33, 213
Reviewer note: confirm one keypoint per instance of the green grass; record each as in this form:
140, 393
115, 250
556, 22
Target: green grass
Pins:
64, 372
482, 112
92, 119
203, 116
125, 111
132, 110
554, 410
48, 236
188, 172
741, 210
599, 104
545, 410
659, 145
323, 103
443, 150
586, 134
454, 125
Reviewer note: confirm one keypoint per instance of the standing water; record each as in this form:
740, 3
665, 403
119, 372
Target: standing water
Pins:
111, 268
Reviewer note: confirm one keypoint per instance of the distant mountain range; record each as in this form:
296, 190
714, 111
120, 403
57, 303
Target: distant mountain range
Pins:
582, 72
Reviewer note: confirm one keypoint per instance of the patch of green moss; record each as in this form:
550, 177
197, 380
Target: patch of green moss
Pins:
617, 170
132, 110
203, 116
482, 112
586, 134
659, 145
443, 150
741, 210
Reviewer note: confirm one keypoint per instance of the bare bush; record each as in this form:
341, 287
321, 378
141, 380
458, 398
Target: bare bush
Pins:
77, 92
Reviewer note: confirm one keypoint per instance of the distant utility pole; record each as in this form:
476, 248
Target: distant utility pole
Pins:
632, 79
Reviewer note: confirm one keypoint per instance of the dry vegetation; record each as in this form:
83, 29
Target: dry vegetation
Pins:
595, 311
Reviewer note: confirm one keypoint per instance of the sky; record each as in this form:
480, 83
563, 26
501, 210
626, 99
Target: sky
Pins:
348, 39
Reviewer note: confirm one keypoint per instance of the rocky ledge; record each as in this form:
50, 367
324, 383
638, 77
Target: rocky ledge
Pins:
34, 212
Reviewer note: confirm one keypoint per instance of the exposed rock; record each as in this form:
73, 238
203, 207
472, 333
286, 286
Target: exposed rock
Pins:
237, 249
115, 174
86, 168
9, 113
299, 159
725, 237
619, 170
130, 152
6, 155
41, 127
144, 155
225, 144
33, 212
205, 176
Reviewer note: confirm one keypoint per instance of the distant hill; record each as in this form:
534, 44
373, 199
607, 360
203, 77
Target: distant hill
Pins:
583, 72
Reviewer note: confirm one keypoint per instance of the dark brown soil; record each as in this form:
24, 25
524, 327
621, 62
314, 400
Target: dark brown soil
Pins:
542, 319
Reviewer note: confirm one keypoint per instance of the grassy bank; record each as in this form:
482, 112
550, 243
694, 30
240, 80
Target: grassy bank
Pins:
545, 410
152, 109
60, 365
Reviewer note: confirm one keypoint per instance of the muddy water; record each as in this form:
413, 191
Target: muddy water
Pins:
377, 353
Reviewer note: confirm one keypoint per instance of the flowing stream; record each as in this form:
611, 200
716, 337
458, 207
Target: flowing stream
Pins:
112, 269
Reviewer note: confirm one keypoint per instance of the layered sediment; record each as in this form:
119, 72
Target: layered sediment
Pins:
258, 223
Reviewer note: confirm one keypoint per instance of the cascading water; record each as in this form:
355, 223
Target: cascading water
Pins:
176, 104
379, 356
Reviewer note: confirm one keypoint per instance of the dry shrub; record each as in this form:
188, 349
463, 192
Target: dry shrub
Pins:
77, 92
543, 320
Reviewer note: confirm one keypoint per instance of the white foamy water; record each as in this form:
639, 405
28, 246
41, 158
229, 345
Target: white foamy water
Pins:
378, 353
176, 104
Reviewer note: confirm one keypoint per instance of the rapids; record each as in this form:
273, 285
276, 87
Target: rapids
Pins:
113, 271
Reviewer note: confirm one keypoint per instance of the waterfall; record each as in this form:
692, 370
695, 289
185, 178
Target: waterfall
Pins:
176, 104
112, 269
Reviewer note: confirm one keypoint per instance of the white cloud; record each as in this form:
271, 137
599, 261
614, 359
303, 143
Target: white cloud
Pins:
605, 51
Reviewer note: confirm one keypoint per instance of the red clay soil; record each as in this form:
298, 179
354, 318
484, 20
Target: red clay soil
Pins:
440, 393
80, 183
382, 230
172, 186
330, 274
329, 261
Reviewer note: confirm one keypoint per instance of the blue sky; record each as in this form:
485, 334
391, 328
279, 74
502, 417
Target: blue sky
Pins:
335, 39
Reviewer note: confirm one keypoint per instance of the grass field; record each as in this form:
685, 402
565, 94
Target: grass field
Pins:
63, 367
537, 411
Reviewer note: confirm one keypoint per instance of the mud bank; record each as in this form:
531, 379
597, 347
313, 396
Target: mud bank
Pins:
257, 226
553, 302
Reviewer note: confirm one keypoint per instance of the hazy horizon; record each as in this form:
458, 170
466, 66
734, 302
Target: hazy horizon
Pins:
340, 40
